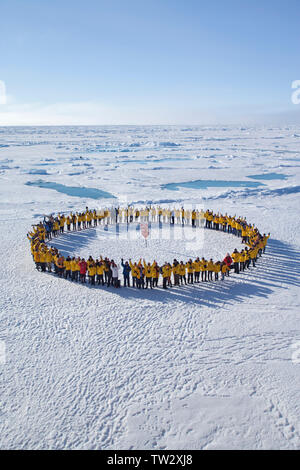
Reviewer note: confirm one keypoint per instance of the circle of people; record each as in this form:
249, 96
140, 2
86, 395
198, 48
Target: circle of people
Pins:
142, 274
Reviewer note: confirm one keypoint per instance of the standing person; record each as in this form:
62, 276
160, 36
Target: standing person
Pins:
92, 272
83, 220
210, 269
172, 217
79, 218
48, 228
224, 270
100, 271
137, 272
126, 272
169, 276
246, 258
153, 214
116, 214
182, 271
243, 260
43, 260
74, 221
148, 274
77, 267
228, 260
115, 274
217, 269
134, 273
236, 257
109, 271
49, 259
61, 265
252, 254
142, 274
159, 214
95, 218
125, 211
62, 223
182, 216
130, 210
106, 269
68, 222
194, 216
68, 267
73, 269
190, 270
203, 270
165, 274
83, 269
55, 228
88, 219
155, 274
176, 272
197, 267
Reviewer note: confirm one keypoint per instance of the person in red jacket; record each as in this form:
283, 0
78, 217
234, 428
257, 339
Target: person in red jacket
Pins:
83, 268
228, 260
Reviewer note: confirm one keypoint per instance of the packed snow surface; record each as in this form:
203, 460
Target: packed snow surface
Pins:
214, 366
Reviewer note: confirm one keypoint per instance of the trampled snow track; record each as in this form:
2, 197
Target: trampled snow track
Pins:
208, 366
87, 368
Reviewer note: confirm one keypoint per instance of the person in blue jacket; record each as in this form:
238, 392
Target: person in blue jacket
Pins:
126, 272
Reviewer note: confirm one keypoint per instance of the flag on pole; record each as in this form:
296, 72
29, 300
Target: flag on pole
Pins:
145, 230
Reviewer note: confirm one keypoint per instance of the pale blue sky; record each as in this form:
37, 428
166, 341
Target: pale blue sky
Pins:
104, 62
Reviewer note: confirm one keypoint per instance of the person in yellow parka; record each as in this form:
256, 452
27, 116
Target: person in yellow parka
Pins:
236, 259
43, 260
253, 255
92, 272
182, 271
55, 228
203, 269
68, 267
169, 282
49, 259
62, 223
194, 216
190, 271
209, 219
95, 218
134, 273
217, 269
197, 269
176, 273
83, 219
224, 270
60, 265
68, 223
148, 274
100, 272
155, 274
165, 270
210, 269
89, 217
244, 234
139, 275
73, 266
36, 258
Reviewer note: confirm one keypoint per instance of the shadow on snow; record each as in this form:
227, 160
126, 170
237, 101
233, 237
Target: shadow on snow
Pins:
279, 268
